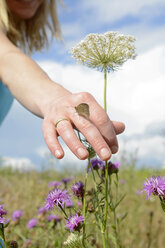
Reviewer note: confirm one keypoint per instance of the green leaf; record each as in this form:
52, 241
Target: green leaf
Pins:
114, 227
56, 243
6, 225
113, 239
124, 216
162, 205
117, 204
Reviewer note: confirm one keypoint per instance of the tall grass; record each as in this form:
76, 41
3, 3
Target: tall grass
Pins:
141, 221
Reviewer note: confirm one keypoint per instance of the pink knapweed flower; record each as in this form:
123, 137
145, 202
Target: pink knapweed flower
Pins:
155, 186
74, 222
57, 197
32, 223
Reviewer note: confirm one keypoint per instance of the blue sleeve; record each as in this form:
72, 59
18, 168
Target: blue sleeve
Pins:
6, 100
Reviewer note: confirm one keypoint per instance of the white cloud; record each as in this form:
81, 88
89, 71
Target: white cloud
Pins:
147, 36
68, 161
113, 10
42, 151
21, 164
107, 15
150, 150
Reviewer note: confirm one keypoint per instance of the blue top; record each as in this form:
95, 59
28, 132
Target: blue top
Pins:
6, 100
2, 243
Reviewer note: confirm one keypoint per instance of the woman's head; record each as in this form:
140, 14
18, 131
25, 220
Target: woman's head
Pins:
24, 9
28, 22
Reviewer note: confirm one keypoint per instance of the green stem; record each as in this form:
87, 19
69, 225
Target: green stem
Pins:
2, 231
117, 187
2, 235
106, 195
105, 89
62, 209
106, 163
95, 185
84, 203
103, 239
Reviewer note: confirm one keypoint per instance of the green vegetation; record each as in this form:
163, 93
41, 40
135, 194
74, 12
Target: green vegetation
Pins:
141, 221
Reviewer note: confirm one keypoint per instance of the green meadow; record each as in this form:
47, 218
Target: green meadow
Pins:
141, 221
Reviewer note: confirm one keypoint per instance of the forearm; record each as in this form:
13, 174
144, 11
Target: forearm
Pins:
28, 83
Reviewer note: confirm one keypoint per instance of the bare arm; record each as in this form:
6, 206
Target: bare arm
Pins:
32, 87
29, 84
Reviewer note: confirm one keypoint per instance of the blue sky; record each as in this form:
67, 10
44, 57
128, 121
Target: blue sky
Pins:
136, 92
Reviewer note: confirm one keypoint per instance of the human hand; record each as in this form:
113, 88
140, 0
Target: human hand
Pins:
98, 129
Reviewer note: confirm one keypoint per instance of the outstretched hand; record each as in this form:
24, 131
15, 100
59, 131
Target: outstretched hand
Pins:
98, 129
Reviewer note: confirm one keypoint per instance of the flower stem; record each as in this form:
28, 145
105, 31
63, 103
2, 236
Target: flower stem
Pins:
62, 209
106, 195
98, 218
105, 89
106, 163
84, 205
2, 231
2, 235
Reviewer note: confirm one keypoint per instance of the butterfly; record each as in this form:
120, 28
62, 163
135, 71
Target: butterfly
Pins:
83, 109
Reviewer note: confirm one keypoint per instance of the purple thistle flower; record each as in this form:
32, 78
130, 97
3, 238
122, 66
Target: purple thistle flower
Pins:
2, 220
42, 210
78, 189
54, 184
122, 181
155, 186
69, 204
27, 243
138, 192
54, 217
79, 204
67, 179
97, 163
17, 214
112, 168
32, 223
57, 197
74, 222
2, 211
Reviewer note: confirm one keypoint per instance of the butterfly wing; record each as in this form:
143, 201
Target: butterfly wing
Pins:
83, 109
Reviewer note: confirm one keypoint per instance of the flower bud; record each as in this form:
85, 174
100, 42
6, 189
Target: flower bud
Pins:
13, 244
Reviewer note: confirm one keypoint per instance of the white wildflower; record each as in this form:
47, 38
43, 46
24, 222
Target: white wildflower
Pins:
109, 50
73, 241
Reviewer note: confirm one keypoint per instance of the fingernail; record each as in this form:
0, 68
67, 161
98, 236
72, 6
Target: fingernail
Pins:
81, 152
57, 153
105, 152
114, 149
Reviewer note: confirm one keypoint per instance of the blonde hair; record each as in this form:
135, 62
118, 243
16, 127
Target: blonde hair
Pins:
33, 34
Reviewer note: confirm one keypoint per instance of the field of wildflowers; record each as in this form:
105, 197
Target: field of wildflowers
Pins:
31, 202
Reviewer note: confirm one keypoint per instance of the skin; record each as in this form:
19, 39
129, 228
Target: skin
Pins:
32, 87
24, 9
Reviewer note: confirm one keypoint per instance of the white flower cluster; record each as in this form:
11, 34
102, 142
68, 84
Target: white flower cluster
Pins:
109, 50
74, 241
